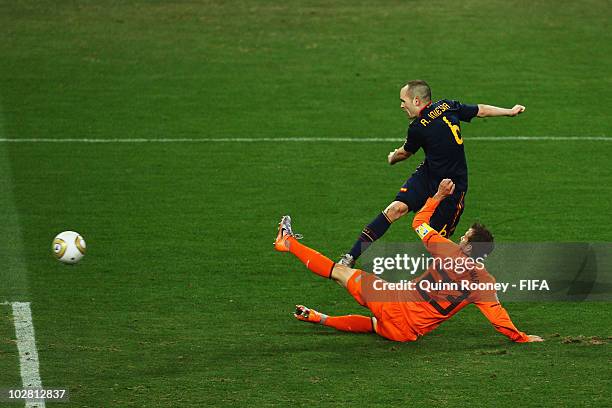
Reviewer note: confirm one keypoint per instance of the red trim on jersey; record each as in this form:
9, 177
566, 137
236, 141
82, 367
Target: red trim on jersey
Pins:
426, 106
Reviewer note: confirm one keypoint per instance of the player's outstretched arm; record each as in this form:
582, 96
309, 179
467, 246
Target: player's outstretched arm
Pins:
398, 155
499, 318
436, 244
487, 111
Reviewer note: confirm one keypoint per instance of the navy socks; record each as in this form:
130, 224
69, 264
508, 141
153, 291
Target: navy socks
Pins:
370, 233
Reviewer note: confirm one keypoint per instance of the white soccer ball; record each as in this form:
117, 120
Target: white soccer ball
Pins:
69, 247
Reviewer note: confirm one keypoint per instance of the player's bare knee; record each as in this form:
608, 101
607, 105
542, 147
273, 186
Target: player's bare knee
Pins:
342, 274
396, 210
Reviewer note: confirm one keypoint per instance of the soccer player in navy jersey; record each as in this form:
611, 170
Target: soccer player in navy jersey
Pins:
435, 127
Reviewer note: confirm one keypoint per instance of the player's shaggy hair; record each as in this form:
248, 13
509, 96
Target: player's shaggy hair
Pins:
481, 240
419, 88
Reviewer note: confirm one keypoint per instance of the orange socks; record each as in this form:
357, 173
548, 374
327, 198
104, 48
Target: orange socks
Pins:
319, 264
350, 323
323, 266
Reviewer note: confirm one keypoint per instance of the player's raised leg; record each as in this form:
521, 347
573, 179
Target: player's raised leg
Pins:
287, 241
374, 231
349, 323
351, 279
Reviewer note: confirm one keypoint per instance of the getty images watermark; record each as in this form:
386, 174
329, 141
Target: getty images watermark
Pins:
514, 271
411, 264
458, 265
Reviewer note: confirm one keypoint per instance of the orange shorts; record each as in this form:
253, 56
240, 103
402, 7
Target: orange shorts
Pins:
390, 320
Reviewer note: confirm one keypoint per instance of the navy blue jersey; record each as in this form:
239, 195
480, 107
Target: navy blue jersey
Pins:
437, 131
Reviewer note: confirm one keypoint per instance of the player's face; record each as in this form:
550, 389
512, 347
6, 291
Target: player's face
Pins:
407, 103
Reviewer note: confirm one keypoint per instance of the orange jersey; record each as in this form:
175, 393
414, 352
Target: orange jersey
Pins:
436, 306
406, 315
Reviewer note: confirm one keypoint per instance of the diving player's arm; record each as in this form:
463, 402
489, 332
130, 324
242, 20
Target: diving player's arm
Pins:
499, 318
487, 111
398, 155
435, 243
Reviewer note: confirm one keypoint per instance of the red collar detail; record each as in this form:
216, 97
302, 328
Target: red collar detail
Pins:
424, 107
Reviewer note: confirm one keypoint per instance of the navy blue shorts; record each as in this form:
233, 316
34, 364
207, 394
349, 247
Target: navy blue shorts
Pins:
418, 188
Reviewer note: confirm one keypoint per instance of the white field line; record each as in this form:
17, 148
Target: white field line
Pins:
28, 354
296, 139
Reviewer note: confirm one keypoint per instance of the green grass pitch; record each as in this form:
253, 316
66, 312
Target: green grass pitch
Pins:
181, 300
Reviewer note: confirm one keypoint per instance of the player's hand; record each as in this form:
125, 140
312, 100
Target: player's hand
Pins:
532, 338
516, 110
390, 157
446, 188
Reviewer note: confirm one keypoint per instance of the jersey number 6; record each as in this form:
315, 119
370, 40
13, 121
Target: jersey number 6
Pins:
455, 129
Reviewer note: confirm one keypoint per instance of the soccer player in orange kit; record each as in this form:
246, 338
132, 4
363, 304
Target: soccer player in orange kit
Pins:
406, 315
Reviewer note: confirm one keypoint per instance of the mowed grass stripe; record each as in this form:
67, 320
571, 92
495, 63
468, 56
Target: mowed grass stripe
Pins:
13, 273
14, 278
